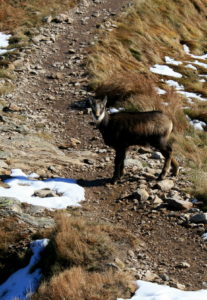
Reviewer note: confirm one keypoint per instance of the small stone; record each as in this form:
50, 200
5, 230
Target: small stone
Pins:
150, 276
156, 155
183, 265
56, 75
165, 277
71, 51
74, 142
157, 200
45, 193
165, 185
130, 253
89, 161
180, 286
199, 218
63, 18
179, 204
130, 162
142, 194
39, 38
47, 19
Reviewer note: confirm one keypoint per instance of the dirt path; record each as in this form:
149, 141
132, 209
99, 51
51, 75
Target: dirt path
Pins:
52, 86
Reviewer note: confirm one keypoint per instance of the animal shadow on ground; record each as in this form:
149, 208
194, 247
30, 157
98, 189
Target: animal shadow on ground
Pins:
94, 182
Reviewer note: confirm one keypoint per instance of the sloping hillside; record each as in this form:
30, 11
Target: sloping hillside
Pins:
155, 59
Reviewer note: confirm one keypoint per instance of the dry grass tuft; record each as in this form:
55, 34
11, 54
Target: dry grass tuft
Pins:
77, 284
11, 258
77, 262
28, 13
77, 242
199, 189
124, 85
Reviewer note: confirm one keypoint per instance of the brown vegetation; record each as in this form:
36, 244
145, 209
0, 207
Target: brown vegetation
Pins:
11, 233
81, 253
75, 283
28, 13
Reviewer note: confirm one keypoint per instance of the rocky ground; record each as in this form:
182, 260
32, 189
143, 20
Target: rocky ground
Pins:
45, 127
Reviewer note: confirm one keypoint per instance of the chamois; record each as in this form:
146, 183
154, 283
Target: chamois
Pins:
123, 129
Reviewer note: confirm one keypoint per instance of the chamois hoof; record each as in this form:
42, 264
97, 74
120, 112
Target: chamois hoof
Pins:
114, 180
175, 172
161, 177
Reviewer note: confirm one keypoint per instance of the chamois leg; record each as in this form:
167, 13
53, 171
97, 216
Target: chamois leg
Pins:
118, 164
175, 166
167, 153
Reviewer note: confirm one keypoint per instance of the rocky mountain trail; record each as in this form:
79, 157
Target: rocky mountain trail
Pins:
45, 129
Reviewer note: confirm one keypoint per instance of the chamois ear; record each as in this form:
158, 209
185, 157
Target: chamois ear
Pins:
105, 100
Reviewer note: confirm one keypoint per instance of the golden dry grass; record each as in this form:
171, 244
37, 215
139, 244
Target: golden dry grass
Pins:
77, 242
199, 179
145, 34
76, 263
28, 13
77, 284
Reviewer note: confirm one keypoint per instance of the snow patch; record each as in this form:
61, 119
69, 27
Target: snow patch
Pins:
23, 188
165, 70
160, 91
190, 66
4, 42
192, 95
204, 236
114, 110
175, 84
154, 291
172, 61
23, 283
198, 124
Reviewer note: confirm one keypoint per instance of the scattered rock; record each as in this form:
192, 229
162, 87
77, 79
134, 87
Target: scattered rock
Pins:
45, 193
156, 155
63, 18
142, 194
178, 204
157, 200
199, 218
130, 162
183, 265
165, 185
11, 204
150, 276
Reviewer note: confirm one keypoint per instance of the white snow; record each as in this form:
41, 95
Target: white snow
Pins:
114, 110
172, 61
187, 51
22, 283
23, 187
175, 84
204, 236
4, 38
160, 91
192, 95
198, 124
196, 62
154, 291
165, 70
190, 66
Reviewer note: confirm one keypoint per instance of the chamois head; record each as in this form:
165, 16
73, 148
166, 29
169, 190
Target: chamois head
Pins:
98, 109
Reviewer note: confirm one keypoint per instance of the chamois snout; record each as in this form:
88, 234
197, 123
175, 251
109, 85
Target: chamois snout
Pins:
98, 109
123, 129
